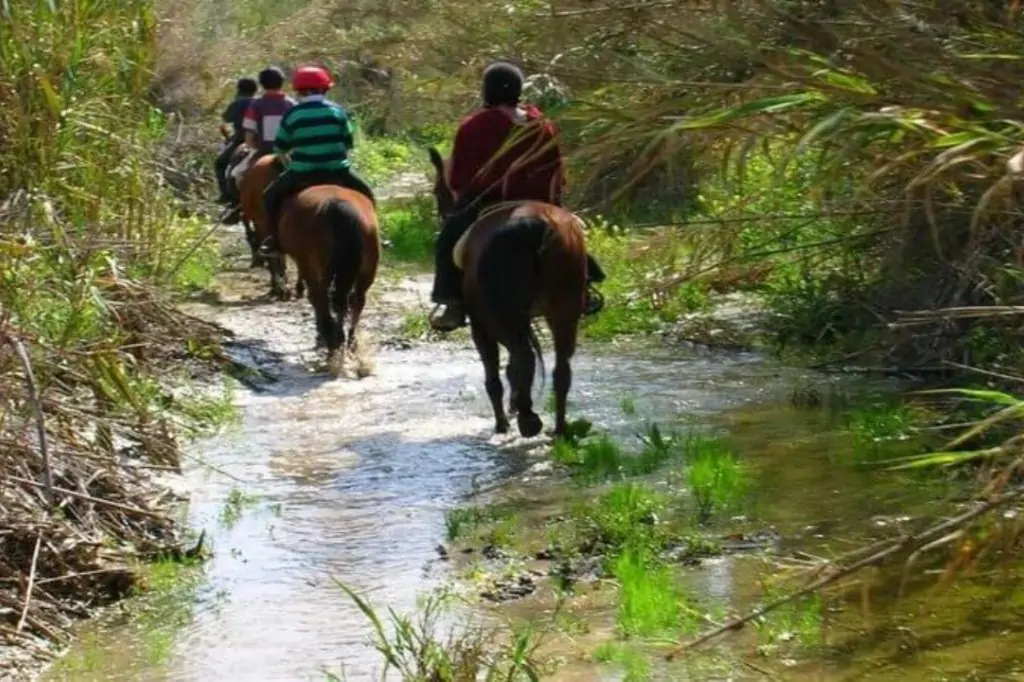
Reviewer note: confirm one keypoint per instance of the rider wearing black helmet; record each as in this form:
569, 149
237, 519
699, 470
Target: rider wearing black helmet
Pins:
481, 172
231, 128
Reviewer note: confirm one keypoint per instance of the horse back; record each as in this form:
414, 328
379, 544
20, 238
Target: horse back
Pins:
303, 225
562, 252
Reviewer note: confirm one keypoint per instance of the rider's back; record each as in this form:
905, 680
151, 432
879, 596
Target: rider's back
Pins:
317, 134
264, 116
530, 169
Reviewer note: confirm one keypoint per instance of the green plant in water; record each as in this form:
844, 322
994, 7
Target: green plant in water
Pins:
713, 474
419, 652
651, 603
797, 624
880, 431
235, 505
627, 514
635, 664
462, 520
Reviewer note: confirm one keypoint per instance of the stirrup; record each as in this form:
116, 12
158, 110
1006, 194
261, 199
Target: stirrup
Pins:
433, 319
268, 250
595, 301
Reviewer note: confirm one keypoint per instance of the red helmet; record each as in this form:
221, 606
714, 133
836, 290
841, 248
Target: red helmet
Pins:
311, 78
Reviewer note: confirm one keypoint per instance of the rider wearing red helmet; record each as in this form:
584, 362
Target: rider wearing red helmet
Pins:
316, 137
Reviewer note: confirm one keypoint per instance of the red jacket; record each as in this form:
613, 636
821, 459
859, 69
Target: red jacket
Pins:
532, 168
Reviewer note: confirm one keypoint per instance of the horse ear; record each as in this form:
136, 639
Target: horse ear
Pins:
435, 158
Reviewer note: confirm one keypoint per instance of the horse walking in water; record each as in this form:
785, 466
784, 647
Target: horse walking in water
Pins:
331, 234
260, 174
234, 190
521, 260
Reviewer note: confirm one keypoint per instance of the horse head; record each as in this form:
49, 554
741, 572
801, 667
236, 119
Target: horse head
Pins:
442, 193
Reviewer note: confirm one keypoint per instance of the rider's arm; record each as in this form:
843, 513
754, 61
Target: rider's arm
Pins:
347, 134
283, 140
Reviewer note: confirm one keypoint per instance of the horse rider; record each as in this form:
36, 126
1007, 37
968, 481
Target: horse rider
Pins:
261, 122
481, 173
316, 136
234, 134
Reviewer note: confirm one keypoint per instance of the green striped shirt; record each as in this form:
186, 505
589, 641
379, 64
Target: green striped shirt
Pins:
317, 133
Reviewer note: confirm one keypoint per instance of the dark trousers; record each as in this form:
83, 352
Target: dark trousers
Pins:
447, 277
220, 166
290, 182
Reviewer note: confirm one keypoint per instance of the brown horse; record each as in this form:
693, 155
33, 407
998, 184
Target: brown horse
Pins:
331, 234
521, 260
241, 151
256, 179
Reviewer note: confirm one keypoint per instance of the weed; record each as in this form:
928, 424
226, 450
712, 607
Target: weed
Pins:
636, 666
235, 506
650, 601
628, 514
628, 405
419, 652
713, 474
460, 521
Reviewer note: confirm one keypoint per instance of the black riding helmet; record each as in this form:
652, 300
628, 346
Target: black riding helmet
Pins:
246, 87
271, 78
503, 85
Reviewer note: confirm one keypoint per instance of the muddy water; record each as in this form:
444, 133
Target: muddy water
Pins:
349, 479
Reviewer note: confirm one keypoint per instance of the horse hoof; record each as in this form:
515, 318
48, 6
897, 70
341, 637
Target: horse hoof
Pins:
529, 425
501, 427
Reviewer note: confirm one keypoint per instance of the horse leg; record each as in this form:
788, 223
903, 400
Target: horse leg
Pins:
521, 367
278, 278
325, 327
513, 397
357, 304
564, 329
256, 260
487, 347
300, 286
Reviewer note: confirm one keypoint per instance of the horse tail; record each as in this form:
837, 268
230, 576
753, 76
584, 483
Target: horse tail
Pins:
346, 253
509, 271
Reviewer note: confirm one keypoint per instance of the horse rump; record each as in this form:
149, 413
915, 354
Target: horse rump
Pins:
346, 245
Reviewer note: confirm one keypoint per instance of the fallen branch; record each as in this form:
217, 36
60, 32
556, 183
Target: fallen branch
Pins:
33, 394
923, 538
31, 582
94, 500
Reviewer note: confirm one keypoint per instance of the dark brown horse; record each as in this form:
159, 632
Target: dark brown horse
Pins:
521, 260
331, 234
257, 178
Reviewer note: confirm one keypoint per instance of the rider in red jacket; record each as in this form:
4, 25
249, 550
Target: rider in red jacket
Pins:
506, 151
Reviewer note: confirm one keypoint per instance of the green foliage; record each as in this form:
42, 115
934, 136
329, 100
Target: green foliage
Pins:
713, 474
412, 228
650, 602
631, 265
419, 651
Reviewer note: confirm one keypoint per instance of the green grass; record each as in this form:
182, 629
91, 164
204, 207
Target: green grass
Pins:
713, 474
631, 269
651, 603
420, 650
463, 520
594, 458
411, 225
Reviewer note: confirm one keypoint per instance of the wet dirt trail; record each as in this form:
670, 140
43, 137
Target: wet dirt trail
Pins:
350, 478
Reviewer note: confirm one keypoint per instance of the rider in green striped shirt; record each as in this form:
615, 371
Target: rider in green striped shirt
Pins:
316, 135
